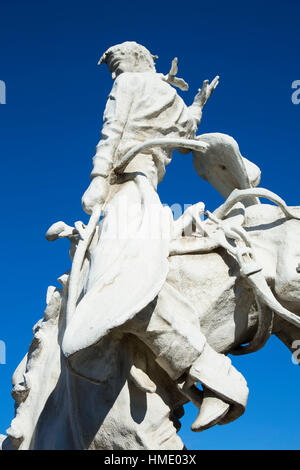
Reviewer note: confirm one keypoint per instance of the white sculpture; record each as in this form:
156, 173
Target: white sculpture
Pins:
148, 309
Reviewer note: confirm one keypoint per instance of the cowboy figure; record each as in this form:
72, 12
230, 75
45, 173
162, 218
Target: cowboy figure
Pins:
128, 270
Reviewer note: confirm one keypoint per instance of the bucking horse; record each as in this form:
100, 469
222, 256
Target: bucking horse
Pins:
239, 267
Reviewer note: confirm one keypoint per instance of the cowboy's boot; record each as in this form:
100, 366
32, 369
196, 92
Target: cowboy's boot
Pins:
212, 410
225, 390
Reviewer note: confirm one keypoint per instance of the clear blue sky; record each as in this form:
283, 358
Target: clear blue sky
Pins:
50, 125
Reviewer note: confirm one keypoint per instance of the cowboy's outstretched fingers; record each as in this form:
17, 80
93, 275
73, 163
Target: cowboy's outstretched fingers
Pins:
205, 92
204, 86
215, 82
174, 67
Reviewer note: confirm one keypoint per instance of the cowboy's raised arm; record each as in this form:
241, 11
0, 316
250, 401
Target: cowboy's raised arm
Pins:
202, 97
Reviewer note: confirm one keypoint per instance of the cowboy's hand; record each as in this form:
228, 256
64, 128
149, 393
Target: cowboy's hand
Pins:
96, 193
205, 92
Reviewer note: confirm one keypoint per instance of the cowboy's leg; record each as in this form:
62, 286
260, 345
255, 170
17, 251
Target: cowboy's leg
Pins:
169, 326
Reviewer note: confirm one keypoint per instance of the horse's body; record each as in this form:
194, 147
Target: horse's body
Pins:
61, 411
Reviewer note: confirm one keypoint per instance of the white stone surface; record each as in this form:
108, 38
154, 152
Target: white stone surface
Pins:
152, 305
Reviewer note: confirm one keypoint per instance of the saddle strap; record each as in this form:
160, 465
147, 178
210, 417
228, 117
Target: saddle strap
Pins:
263, 332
